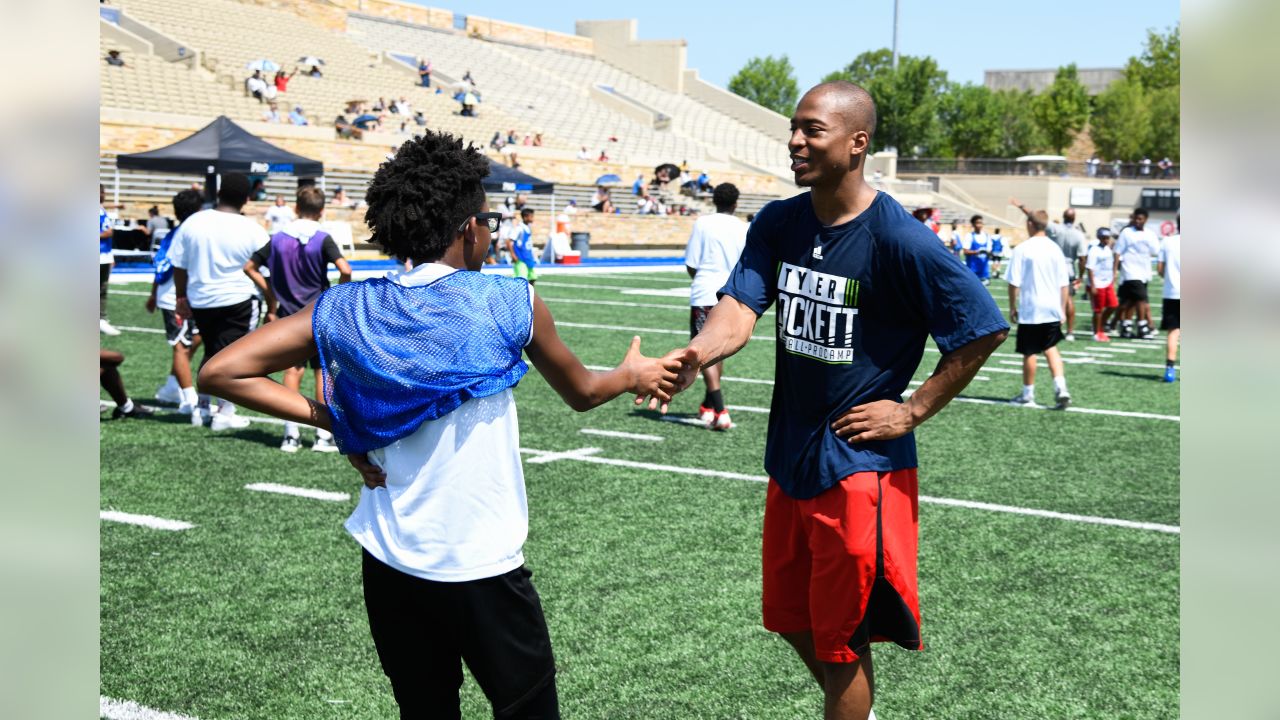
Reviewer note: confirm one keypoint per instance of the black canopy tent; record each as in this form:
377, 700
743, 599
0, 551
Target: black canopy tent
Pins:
222, 146
505, 179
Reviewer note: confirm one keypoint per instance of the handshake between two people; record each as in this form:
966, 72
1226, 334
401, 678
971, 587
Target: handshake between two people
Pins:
655, 380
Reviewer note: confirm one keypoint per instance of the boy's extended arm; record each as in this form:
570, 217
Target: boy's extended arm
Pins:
264, 287
583, 389
344, 270
240, 371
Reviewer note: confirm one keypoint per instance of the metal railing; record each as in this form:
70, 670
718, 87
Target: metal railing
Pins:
1150, 170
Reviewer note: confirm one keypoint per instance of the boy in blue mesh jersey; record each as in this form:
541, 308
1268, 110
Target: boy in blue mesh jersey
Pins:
419, 368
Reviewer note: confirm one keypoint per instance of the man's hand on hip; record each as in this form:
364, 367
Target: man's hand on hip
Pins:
879, 420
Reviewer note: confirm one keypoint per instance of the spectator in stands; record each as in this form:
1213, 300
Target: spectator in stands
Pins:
466, 77
380, 106
468, 104
604, 156
315, 72
583, 154
537, 139
508, 151
282, 80
1091, 166
528, 140
272, 113
259, 191
602, 203
511, 137
1166, 167
496, 142
1145, 166
644, 203
345, 129
522, 201
424, 72
368, 122
402, 107
256, 86
419, 118
342, 200
113, 58
637, 187
297, 117
704, 182
1116, 166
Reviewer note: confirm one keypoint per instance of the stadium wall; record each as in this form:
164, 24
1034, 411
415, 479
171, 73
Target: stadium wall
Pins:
736, 106
327, 14
661, 62
1054, 195
124, 39
526, 35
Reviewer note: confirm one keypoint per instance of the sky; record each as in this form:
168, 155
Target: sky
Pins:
966, 37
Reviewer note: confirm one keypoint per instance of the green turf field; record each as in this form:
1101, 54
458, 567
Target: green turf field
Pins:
649, 567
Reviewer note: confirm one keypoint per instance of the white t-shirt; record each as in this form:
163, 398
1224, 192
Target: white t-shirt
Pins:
280, 216
454, 507
1136, 248
213, 246
1039, 270
1171, 256
1102, 261
714, 246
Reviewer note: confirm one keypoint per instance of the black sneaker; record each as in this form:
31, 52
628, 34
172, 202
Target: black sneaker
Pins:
136, 412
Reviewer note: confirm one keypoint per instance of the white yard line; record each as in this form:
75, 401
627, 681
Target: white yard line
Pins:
298, 492
1108, 349
149, 521
969, 504
747, 409
622, 435
673, 419
131, 328
578, 454
113, 709
618, 303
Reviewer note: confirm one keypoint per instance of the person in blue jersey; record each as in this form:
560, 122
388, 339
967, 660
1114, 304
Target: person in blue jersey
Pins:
182, 333
859, 287
419, 369
520, 247
997, 253
977, 250
106, 259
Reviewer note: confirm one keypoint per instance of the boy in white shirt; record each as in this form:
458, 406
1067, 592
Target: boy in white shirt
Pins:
713, 250
182, 334
1038, 283
1169, 265
419, 370
1100, 264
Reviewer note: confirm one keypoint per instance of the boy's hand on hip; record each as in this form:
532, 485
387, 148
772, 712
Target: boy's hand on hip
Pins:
372, 475
879, 420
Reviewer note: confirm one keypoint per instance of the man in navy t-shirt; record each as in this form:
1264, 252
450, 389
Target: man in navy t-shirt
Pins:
859, 286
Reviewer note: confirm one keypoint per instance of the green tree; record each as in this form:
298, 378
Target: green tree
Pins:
971, 121
1062, 110
1018, 132
1160, 65
768, 81
1166, 122
907, 99
1121, 126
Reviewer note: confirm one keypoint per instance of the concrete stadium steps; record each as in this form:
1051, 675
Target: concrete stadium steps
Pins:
231, 34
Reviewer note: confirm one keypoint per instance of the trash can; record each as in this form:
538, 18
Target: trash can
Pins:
580, 241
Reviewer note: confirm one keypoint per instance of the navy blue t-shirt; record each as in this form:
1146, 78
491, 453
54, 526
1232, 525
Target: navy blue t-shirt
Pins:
855, 304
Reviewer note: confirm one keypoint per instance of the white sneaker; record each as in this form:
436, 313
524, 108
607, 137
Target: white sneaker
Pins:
706, 416
170, 392
1070, 337
1020, 399
324, 445
1061, 400
197, 416
722, 421
223, 421
107, 328
290, 444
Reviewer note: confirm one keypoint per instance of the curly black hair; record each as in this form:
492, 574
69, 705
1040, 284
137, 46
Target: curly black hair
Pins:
418, 198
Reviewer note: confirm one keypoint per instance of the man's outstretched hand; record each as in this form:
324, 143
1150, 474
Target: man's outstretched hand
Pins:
684, 361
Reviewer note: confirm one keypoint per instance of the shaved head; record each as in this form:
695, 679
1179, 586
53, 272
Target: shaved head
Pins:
852, 102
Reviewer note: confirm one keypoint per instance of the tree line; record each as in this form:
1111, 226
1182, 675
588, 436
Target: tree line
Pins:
923, 114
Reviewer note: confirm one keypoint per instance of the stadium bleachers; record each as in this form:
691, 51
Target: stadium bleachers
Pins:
232, 34
147, 82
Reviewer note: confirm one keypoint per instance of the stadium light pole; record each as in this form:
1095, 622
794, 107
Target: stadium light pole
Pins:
895, 34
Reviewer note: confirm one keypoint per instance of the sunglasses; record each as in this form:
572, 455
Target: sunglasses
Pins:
490, 220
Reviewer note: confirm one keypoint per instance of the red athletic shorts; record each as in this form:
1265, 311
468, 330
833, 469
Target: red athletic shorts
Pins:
1104, 298
843, 564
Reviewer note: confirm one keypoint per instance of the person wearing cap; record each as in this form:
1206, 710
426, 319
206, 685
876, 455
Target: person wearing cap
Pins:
1100, 264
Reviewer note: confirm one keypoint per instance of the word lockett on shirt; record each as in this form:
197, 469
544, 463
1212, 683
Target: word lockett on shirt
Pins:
816, 312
